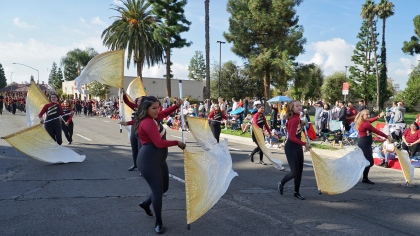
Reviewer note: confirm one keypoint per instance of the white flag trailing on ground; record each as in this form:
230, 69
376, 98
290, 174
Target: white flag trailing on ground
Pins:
35, 100
105, 68
207, 173
38, 144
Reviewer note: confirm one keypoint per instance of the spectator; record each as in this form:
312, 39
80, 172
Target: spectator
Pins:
411, 139
318, 109
350, 115
385, 153
361, 106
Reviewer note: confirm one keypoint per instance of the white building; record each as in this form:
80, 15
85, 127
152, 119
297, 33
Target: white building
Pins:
154, 87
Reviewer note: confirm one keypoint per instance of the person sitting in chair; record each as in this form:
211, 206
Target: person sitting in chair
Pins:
386, 152
411, 139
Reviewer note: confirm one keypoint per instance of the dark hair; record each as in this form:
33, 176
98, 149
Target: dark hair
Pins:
141, 112
415, 123
53, 94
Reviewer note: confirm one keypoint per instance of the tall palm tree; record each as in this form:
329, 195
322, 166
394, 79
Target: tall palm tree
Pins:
78, 57
384, 10
207, 29
133, 31
368, 13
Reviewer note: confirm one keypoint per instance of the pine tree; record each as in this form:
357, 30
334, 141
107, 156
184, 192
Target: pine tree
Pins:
411, 93
197, 67
53, 74
3, 82
267, 34
58, 80
362, 74
171, 12
413, 46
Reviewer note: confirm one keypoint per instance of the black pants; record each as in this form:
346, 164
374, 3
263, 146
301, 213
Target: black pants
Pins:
294, 155
215, 129
135, 145
365, 143
68, 131
54, 130
257, 149
151, 162
411, 149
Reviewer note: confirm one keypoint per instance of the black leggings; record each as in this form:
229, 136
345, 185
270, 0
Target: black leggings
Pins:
54, 130
257, 149
151, 162
68, 130
294, 155
411, 149
135, 145
365, 143
215, 129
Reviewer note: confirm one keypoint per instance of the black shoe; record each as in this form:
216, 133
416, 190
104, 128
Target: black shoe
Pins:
69, 143
367, 181
132, 168
386, 165
159, 229
382, 163
298, 196
252, 157
280, 188
262, 163
146, 209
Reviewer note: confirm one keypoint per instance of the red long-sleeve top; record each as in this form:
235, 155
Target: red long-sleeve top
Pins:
45, 109
257, 119
220, 114
293, 128
148, 131
365, 128
409, 137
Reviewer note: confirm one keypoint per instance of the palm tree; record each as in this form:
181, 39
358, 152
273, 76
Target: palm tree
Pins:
78, 56
384, 10
368, 13
133, 31
207, 29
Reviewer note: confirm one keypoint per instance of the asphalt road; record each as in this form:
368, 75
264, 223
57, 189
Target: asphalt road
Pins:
100, 197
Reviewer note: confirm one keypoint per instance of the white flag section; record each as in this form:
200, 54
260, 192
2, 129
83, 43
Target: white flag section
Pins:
207, 174
337, 175
134, 90
38, 144
407, 168
259, 137
105, 68
35, 101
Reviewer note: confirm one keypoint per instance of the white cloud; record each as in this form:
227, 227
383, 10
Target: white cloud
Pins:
117, 2
180, 71
17, 22
332, 55
82, 20
97, 21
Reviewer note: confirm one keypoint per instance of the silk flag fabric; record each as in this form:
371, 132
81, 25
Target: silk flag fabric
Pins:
207, 173
35, 100
259, 136
105, 68
337, 175
405, 163
38, 144
134, 90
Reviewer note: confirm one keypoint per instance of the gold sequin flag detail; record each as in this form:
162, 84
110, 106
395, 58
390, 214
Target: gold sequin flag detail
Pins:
35, 142
35, 100
207, 173
259, 137
405, 163
338, 175
105, 68
134, 90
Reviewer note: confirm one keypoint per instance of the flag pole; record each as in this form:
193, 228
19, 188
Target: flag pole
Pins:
121, 104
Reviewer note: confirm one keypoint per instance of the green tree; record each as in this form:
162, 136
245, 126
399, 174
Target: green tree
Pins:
362, 78
58, 80
98, 90
197, 67
384, 9
70, 70
368, 13
207, 36
3, 81
53, 74
78, 56
267, 34
413, 46
307, 81
169, 31
133, 31
329, 89
411, 95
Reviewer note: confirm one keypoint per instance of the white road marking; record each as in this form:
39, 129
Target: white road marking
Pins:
307, 164
84, 137
235, 149
176, 178
178, 137
105, 121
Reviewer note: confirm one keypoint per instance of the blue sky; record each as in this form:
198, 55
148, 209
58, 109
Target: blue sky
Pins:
37, 33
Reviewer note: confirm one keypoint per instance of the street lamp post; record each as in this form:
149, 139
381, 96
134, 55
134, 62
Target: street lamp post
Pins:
29, 67
220, 65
